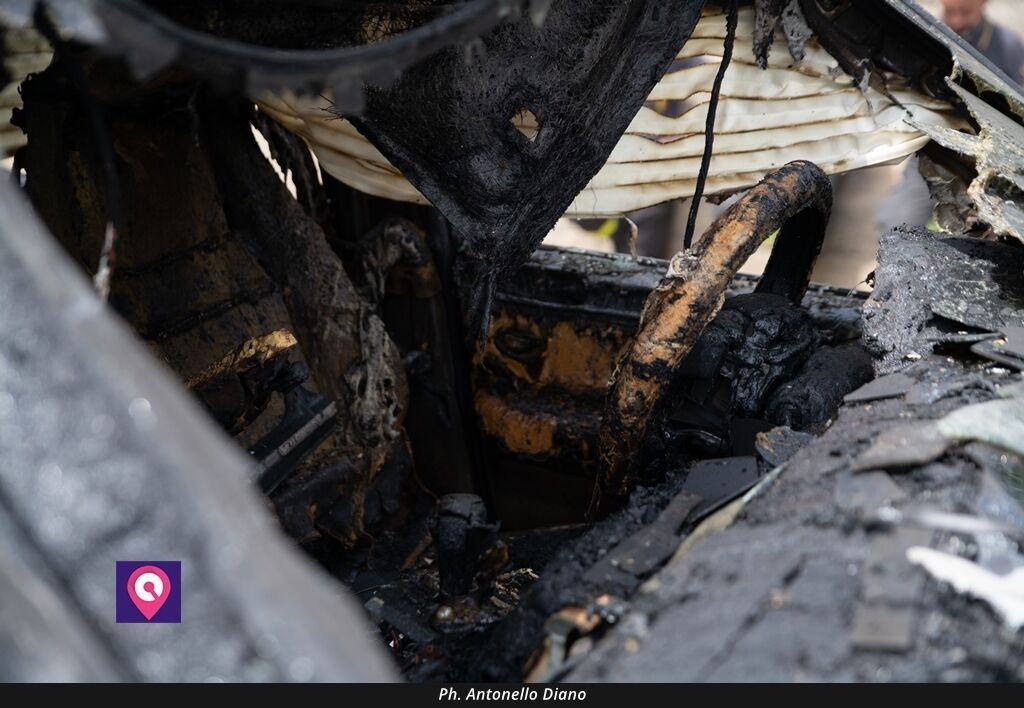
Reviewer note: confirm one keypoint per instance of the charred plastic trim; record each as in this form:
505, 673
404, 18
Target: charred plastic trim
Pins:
796, 198
501, 191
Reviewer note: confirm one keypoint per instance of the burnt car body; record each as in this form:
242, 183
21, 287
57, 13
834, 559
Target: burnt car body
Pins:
524, 462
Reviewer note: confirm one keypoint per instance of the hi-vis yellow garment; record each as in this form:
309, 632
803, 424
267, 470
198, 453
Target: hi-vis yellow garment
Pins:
809, 110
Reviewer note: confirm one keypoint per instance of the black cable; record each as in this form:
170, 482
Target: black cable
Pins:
709, 127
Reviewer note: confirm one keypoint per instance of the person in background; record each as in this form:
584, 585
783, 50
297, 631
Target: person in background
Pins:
1002, 46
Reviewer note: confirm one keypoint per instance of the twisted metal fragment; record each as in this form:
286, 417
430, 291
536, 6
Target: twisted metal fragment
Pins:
797, 199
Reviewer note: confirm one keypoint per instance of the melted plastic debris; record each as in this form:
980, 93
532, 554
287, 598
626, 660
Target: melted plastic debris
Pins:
1004, 593
998, 149
998, 423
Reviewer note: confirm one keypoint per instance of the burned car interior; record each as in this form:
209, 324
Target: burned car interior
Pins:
276, 301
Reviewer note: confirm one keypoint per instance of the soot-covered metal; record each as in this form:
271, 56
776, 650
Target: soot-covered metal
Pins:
584, 72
